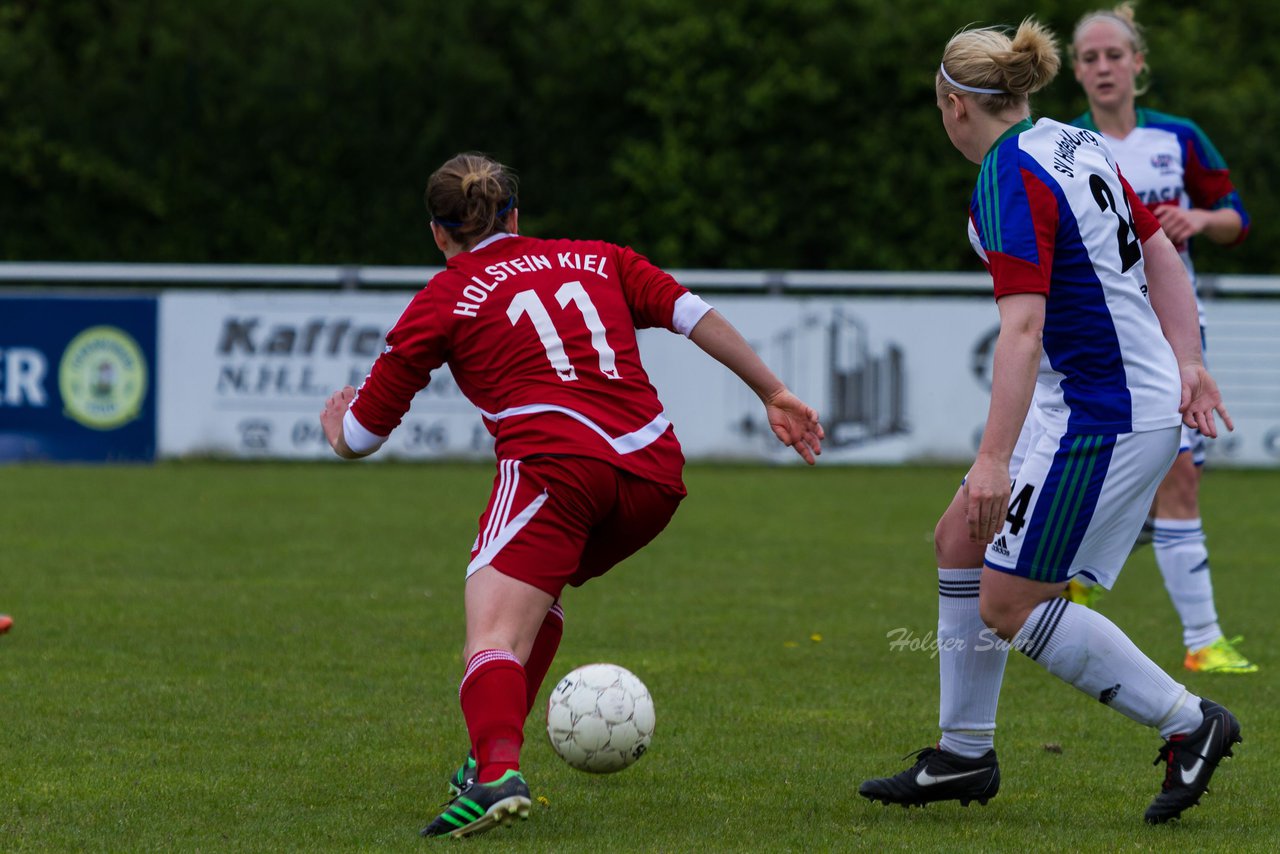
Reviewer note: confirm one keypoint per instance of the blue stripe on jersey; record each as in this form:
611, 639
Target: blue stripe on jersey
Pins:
1067, 502
1080, 338
1000, 203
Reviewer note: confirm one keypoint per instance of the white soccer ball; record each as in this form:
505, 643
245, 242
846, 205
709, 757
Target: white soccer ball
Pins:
600, 718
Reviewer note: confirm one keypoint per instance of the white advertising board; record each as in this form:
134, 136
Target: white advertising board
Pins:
1243, 351
892, 379
896, 379
245, 374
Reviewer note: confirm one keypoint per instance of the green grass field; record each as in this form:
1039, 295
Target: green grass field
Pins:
264, 657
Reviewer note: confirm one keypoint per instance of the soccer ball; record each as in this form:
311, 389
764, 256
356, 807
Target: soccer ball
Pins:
600, 718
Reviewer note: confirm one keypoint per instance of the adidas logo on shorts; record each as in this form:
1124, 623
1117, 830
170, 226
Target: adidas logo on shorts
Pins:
1000, 546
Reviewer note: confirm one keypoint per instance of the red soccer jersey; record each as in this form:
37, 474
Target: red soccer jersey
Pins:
540, 336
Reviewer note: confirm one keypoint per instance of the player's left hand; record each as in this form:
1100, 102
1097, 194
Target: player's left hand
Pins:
335, 409
795, 423
1200, 400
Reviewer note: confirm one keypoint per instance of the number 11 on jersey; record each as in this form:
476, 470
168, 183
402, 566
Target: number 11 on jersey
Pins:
528, 303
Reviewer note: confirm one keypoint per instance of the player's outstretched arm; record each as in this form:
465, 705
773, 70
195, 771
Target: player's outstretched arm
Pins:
1173, 300
335, 409
794, 422
1013, 381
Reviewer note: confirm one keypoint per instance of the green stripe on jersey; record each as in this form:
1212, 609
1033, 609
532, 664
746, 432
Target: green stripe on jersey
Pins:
1065, 507
989, 203
988, 190
1089, 462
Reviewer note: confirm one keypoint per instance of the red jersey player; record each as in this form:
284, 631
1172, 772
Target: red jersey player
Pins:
540, 336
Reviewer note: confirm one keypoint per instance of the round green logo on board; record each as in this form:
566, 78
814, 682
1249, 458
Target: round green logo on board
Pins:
103, 378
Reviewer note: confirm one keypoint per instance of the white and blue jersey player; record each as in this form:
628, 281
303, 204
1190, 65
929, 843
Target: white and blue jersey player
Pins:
1051, 215
1170, 162
1179, 175
1096, 363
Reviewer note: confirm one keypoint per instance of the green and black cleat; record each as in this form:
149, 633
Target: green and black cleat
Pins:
463, 777
483, 806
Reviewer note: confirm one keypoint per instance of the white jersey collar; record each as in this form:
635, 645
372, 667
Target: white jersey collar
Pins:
491, 239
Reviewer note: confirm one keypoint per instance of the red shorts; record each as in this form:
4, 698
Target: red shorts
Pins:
553, 521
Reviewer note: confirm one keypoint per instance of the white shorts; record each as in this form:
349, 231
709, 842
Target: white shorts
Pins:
1192, 443
1078, 501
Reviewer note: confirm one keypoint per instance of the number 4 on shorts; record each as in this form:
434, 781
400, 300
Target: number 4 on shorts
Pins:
1017, 515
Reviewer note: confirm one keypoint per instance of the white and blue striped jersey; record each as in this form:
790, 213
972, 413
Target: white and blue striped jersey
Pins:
1051, 215
1169, 160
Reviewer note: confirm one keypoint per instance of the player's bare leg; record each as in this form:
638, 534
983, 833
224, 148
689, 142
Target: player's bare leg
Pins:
503, 613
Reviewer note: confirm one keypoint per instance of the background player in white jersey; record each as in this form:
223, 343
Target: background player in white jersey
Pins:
1097, 323
1181, 178
541, 336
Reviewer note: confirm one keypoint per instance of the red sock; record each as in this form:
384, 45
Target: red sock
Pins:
543, 652
493, 702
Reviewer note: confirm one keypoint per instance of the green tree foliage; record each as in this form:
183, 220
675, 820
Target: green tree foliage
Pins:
706, 133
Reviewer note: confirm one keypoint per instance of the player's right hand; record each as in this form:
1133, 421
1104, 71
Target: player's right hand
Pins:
795, 423
335, 409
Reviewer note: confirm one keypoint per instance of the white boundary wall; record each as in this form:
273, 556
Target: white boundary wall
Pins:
897, 363
897, 379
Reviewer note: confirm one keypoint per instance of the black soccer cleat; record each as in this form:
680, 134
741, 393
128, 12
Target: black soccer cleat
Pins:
464, 776
938, 776
1190, 760
483, 806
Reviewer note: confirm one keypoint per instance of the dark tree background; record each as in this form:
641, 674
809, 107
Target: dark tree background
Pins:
794, 134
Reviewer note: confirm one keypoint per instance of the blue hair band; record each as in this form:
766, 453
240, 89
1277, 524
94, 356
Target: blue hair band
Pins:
454, 223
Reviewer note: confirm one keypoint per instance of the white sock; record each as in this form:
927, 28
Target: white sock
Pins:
970, 666
1084, 648
1184, 562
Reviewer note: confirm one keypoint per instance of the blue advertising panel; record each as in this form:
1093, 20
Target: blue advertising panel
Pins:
77, 378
